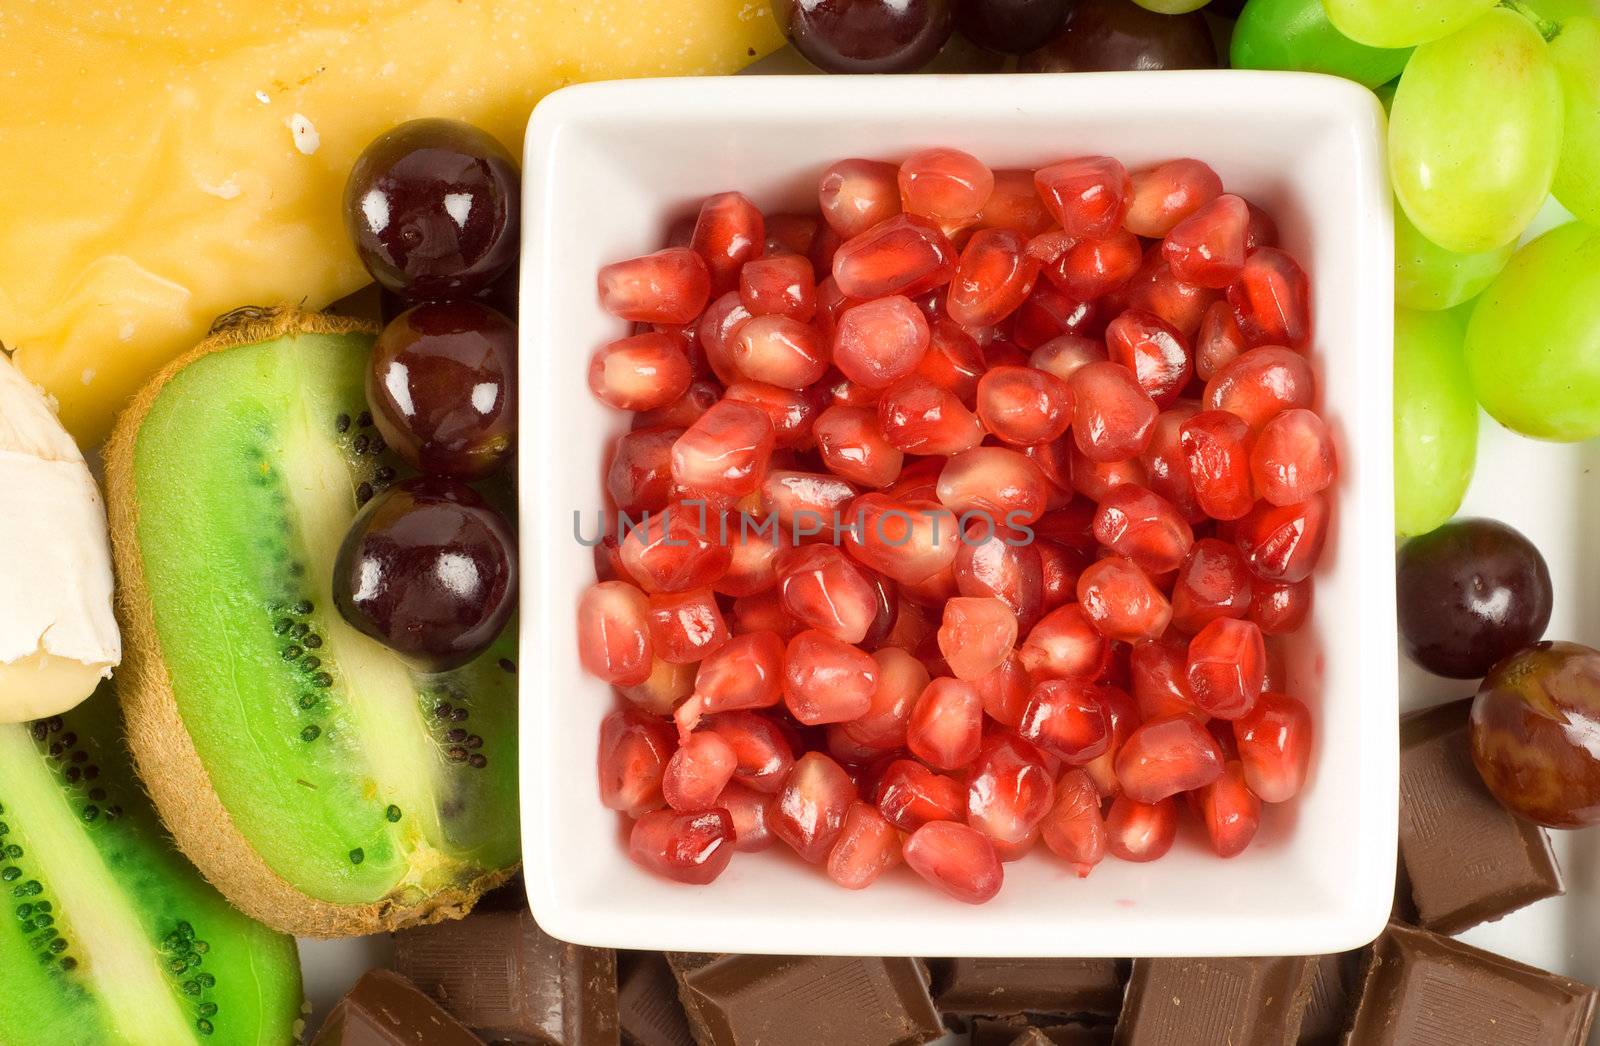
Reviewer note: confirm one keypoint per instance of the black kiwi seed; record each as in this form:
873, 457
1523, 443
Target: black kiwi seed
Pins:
311, 733
177, 965
360, 444
69, 740
73, 774
311, 662
457, 755
91, 772
191, 987
4, 828
282, 625
364, 419
474, 742
24, 910
455, 737
12, 851
201, 947
206, 980
56, 748
208, 1009
308, 701
442, 710
69, 964
303, 607
55, 723
10, 875
363, 492
113, 812
478, 761
40, 731
312, 641
393, 814
378, 445
186, 929
204, 1027
507, 665
342, 423
459, 715
31, 888
357, 855
384, 474
322, 679
291, 652
91, 812
299, 630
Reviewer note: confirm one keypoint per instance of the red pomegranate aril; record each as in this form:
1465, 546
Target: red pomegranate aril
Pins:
977, 634
1095, 480
1090, 269
913, 626
997, 484
779, 286
1230, 811
909, 541
1227, 667
1125, 719
1293, 457
1024, 406
1157, 289
919, 417
686, 626
691, 848
993, 277
1122, 601
1073, 828
1167, 193
1064, 354
752, 814
1263, 231
825, 590
1208, 247
811, 806
1166, 468
791, 234
999, 351
1015, 205
910, 795
857, 194
1009, 791
1005, 691
670, 286
1002, 562
792, 412
805, 503
614, 633
946, 725
683, 411
954, 362
1088, 196
1213, 583
666, 685
1219, 342
745, 672
1166, 756
957, 859
906, 254
1283, 543
780, 351
1160, 671
881, 341
853, 447
763, 750
643, 372
729, 232
753, 566
1275, 747
1279, 607
1216, 447
918, 481
639, 478
673, 553
1143, 526
826, 680
901, 680
867, 847
944, 184
725, 454
1059, 567
1067, 718
716, 330
1259, 384
1155, 353
1049, 313
634, 751
697, 772
1273, 299
1112, 413
1140, 832
1065, 645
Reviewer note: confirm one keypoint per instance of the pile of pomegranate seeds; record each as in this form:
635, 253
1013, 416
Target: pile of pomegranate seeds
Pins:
960, 516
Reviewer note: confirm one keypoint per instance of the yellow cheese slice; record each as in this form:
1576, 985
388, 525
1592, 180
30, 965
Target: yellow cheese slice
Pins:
164, 161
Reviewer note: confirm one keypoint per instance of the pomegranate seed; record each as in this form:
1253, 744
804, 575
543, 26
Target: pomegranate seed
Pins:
825, 590
811, 806
909, 541
946, 724
793, 412
901, 680
764, 611
753, 567
639, 478
670, 286
905, 254
671, 552
1221, 731
1095, 480
852, 446
1216, 446
752, 817
1065, 645
634, 750
957, 859
1293, 457
1166, 468
946, 185
1282, 543
1049, 313
1003, 563
1261, 383
919, 481
913, 628
779, 286
1063, 355
977, 634
684, 411
1067, 718
791, 234
867, 847
1090, 269
1005, 691
1009, 791
1124, 714
1024, 406
1230, 811
998, 484
724, 318
1143, 526
764, 753
746, 672
729, 232
1275, 746
1168, 193
1153, 351
1015, 205
680, 231
919, 417
660, 693
993, 278
614, 633
1112, 414
724, 454
1207, 247
880, 341
1227, 667
910, 796
827, 681
953, 360
857, 194
806, 503
1219, 341
1088, 197
1156, 288
685, 847
643, 372
1073, 828
697, 772
1263, 231
780, 351
823, 250
1273, 300
686, 626
1139, 832
1279, 607
1121, 600
1160, 668
1166, 756
1213, 583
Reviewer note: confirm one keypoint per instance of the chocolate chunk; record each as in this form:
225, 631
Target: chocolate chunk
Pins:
1467, 858
790, 1000
999, 987
1335, 980
1424, 989
1241, 1002
1039, 1031
498, 973
647, 1002
385, 1009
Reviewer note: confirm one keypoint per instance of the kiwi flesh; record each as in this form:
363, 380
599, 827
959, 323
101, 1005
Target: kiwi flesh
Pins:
107, 935
327, 787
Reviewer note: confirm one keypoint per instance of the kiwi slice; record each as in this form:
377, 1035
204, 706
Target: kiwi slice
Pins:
323, 784
107, 935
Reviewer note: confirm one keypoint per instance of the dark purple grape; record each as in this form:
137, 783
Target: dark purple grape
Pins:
429, 570
434, 209
865, 36
1110, 35
443, 390
1470, 593
1012, 26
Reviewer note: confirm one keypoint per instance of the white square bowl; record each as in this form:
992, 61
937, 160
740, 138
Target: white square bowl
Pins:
607, 166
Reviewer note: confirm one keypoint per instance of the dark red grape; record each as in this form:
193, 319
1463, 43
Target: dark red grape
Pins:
1534, 725
865, 36
1108, 35
442, 386
1470, 593
428, 569
434, 209
1012, 26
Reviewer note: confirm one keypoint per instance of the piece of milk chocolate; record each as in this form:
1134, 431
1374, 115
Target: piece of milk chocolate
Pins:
1042, 1030
1000, 987
1335, 980
1241, 1002
385, 1009
647, 1002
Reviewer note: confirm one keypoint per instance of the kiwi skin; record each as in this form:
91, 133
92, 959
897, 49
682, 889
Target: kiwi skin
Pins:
166, 758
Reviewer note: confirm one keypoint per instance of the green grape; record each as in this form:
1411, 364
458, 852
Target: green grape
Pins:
1561, 10
1435, 420
1296, 34
1172, 7
1426, 276
1533, 346
1577, 56
1475, 133
1402, 23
